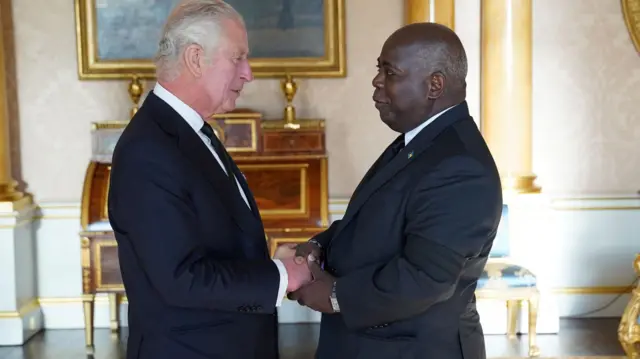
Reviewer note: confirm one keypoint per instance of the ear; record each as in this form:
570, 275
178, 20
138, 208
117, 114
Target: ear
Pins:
193, 60
436, 85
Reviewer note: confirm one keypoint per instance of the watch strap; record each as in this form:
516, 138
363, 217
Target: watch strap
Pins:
334, 299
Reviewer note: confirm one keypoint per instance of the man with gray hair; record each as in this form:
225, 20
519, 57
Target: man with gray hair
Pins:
191, 244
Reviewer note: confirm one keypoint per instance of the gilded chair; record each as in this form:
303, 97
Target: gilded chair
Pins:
502, 279
629, 329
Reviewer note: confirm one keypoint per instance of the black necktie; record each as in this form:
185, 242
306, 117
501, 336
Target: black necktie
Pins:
219, 148
392, 151
398, 144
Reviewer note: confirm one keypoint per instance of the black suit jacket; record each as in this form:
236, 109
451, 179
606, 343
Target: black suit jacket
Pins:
410, 248
193, 256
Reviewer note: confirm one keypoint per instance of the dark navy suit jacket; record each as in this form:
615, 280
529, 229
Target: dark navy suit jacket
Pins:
411, 246
193, 255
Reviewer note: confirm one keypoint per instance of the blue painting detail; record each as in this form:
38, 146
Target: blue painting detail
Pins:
504, 276
130, 29
500, 246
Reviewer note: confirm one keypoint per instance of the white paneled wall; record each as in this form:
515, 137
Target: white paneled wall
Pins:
580, 249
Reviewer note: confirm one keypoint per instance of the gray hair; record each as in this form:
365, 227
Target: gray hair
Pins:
448, 59
191, 22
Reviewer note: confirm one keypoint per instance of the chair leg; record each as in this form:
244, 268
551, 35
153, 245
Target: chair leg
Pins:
513, 309
88, 306
533, 301
114, 312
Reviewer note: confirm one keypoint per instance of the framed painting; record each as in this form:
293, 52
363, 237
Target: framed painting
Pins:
117, 39
631, 12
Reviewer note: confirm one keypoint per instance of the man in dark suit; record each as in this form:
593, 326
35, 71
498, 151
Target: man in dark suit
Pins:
191, 243
401, 267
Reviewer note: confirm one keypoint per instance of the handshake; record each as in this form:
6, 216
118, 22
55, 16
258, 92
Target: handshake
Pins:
308, 283
296, 258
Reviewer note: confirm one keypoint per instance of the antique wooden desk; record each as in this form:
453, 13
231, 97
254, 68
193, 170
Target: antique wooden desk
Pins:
285, 166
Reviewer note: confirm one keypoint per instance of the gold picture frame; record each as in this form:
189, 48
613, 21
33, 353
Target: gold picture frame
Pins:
438, 11
92, 66
631, 13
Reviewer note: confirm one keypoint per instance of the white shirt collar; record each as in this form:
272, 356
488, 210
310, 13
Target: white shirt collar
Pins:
413, 133
187, 113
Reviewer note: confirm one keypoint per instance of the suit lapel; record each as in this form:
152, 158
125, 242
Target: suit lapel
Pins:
372, 170
417, 146
195, 150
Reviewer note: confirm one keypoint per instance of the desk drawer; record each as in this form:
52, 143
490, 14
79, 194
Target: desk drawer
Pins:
304, 141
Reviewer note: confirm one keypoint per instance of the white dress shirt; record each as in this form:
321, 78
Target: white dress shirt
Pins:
196, 122
413, 133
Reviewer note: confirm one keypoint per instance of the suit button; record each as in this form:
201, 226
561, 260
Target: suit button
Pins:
242, 308
259, 308
380, 326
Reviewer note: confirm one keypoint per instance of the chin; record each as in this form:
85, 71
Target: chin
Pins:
388, 120
229, 106
391, 123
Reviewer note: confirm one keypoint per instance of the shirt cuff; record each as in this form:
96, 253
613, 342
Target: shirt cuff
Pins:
284, 281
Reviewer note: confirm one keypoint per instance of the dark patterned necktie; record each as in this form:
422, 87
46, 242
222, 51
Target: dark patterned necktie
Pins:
219, 148
392, 151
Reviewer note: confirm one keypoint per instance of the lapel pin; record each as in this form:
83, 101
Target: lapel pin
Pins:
410, 155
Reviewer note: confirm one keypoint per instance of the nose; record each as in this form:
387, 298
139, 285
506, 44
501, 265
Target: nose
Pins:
245, 72
377, 80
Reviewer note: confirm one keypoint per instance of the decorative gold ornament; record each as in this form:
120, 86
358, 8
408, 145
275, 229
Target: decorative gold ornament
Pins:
631, 12
135, 92
290, 88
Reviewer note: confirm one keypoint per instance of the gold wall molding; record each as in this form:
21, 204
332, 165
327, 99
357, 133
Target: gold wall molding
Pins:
99, 299
18, 224
17, 214
592, 203
594, 208
596, 290
591, 290
23, 311
590, 198
631, 13
572, 202
438, 11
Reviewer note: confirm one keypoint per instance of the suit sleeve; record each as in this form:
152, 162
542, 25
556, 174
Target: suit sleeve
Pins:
449, 218
325, 236
151, 207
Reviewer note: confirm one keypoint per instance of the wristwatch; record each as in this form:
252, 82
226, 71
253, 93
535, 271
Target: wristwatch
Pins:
334, 299
313, 241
